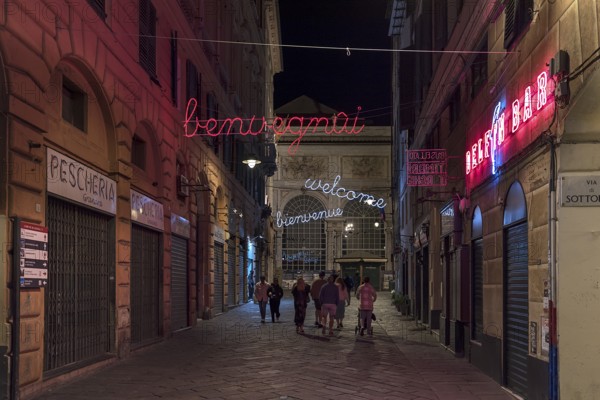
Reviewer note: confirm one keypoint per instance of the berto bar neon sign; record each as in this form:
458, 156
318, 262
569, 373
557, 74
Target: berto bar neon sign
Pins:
505, 123
298, 126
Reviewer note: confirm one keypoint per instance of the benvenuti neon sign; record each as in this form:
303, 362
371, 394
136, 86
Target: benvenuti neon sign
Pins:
535, 97
295, 125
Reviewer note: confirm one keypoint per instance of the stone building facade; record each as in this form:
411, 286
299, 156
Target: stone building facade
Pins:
508, 91
119, 226
320, 220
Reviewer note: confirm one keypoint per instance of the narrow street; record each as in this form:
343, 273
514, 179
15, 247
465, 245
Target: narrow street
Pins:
234, 356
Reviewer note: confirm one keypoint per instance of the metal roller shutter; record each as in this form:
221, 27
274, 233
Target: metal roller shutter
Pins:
516, 308
179, 283
242, 280
231, 273
218, 284
145, 284
79, 298
477, 265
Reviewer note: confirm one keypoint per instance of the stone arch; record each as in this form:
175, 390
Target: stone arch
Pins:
147, 175
98, 138
515, 204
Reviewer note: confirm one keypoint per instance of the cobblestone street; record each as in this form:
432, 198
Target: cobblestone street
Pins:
234, 356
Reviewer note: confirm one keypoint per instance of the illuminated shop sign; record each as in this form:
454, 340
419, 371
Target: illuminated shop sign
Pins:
427, 167
297, 126
507, 121
314, 216
343, 193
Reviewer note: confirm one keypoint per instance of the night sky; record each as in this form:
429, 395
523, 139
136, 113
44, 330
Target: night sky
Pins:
330, 76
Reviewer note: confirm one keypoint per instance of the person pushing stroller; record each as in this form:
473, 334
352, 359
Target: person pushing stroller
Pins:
366, 295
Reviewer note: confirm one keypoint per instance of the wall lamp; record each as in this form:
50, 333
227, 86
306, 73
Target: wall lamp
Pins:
34, 145
251, 161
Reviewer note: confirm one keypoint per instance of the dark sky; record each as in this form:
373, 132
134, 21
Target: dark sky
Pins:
330, 76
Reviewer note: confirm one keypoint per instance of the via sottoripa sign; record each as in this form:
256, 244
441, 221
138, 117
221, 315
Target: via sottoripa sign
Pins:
580, 191
427, 167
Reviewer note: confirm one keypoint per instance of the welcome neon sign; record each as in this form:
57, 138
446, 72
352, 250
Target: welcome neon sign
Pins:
296, 125
535, 98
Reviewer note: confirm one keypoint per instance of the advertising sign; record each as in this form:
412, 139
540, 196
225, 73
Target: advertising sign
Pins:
33, 257
147, 211
427, 167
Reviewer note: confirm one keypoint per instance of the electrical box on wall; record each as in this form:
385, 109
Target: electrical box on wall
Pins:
559, 65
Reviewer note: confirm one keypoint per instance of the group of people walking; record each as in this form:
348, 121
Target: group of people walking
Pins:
330, 296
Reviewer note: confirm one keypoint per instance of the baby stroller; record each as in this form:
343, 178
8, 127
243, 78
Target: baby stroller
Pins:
362, 325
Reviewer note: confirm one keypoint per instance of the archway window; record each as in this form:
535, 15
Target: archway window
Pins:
364, 230
477, 224
515, 205
303, 244
138, 152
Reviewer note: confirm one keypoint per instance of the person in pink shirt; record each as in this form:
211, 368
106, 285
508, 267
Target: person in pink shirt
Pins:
366, 295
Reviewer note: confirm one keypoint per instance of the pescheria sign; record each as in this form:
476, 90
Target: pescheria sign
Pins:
505, 123
296, 125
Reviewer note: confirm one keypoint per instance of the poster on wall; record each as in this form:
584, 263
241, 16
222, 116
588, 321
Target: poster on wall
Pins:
33, 257
545, 336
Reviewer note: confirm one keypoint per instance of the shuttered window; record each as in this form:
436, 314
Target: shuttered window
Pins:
174, 68
147, 45
99, 6
517, 16
193, 87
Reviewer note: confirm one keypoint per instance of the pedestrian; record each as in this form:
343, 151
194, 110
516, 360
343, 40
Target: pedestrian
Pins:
344, 299
356, 282
329, 297
275, 293
301, 293
314, 293
366, 295
260, 292
251, 285
349, 284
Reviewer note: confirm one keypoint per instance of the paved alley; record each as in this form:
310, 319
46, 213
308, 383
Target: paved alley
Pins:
234, 356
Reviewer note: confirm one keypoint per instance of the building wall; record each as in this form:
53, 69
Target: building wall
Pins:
40, 45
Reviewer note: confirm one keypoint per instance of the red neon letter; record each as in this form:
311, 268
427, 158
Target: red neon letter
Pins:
479, 152
527, 110
468, 163
487, 140
542, 81
190, 112
516, 115
474, 156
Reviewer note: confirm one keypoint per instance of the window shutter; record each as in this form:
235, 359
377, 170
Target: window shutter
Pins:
509, 22
147, 41
174, 70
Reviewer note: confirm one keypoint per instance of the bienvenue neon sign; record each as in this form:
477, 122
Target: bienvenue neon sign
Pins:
299, 126
314, 216
347, 194
522, 111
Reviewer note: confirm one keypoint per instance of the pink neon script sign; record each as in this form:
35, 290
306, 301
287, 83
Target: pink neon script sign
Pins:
296, 125
485, 148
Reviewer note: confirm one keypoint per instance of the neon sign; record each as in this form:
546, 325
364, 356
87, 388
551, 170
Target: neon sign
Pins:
427, 167
314, 216
521, 111
347, 194
298, 126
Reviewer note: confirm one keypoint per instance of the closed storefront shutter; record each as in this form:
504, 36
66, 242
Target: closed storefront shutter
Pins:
218, 284
145, 284
516, 308
243, 277
231, 273
79, 297
179, 283
477, 257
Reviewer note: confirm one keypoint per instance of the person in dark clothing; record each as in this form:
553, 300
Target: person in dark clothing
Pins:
349, 283
301, 293
356, 282
251, 285
275, 293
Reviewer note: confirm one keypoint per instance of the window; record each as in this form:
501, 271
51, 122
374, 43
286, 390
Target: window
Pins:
517, 16
99, 6
147, 46
193, 89
360, 231
479, 70
138, 152
174, 68
303, 243
212, 111
74, 102
455, 107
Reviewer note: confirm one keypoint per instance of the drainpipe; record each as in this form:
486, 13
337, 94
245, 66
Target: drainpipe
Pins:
553, 356
16, 311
